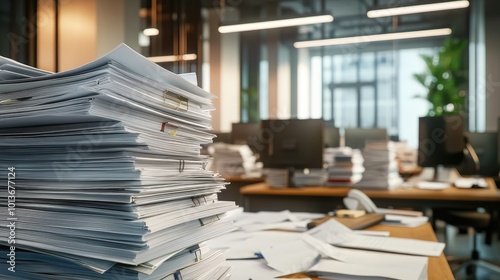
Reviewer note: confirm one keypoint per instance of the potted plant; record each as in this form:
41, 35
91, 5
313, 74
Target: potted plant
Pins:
444, 79
441, 132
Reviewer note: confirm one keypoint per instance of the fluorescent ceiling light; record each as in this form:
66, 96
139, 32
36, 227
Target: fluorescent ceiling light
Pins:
417, 9
151, 31
275, 23
172, 58
373, 38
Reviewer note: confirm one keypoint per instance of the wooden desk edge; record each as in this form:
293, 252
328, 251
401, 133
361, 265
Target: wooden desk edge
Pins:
489, 194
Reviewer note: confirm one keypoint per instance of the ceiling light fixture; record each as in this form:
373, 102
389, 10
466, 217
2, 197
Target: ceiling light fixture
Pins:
152, 31
373, 38
275, 23
417, 9
173, 58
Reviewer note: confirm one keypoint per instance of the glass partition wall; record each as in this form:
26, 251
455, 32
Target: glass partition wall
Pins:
363, 84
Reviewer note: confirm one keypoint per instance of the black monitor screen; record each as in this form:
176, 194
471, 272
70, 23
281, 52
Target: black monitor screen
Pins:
441, 141
245, 134
331, 137
292, 143
356, 138
485, 144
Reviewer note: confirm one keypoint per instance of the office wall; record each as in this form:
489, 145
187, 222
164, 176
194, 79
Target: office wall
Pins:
77, 33
492, 22
110, 25
46, 35
87, 30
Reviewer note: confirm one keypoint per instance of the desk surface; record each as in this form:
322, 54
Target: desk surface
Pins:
491, 193
255, 197
438, 267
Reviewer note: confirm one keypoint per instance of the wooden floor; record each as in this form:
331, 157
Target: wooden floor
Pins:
460, 245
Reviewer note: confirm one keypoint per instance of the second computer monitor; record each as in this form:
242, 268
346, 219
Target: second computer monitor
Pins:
356, 138
485, 144
245, 134
292, 143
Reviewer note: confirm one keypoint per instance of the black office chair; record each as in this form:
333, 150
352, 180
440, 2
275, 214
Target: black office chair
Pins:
463, 219
479, 222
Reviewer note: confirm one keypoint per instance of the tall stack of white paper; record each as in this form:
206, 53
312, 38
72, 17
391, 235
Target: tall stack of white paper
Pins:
104, 173
381, 168
345, 166
231, 159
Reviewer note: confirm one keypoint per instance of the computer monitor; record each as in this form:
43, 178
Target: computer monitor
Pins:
485, 144
245, 134
292, 143
224, 137
331, 137
356, 137
441, 141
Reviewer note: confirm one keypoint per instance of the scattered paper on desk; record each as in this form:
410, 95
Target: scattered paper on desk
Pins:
291, 257
414, 269
427, 185
467, 183
251, 269
326, 249
290, 226
339, 235
405, 221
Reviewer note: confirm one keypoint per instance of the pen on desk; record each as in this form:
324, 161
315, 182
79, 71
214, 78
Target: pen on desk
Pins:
259, 255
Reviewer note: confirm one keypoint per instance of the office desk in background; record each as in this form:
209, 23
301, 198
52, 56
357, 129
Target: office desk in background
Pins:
260, 197
232, 191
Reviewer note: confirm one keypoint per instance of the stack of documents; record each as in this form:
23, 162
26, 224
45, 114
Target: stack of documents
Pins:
345, 166
381, 167
105, 174
310, 177
277, 178
231, 159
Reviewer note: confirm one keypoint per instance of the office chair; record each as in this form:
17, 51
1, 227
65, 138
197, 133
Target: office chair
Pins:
479, 221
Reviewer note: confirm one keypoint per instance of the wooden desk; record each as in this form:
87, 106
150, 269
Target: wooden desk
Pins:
232, 191
438, 267
258, 197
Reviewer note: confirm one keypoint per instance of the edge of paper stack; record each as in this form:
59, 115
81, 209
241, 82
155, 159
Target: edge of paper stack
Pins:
104, 174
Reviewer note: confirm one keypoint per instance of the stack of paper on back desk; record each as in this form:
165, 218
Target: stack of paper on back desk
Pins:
105, 176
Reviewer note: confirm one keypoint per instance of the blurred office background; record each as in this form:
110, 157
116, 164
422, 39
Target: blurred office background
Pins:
260, 74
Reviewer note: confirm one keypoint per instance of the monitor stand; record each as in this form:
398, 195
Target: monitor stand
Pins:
444, 174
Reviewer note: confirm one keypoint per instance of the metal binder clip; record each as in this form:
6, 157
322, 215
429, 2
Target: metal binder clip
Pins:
182, 164
209, 220
181, 100
177, 275
197, 255
196, 200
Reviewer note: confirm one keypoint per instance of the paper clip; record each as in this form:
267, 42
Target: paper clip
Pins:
182, 101
209, 220
177, 275
182, 164
171, 132
196, 200
197, 255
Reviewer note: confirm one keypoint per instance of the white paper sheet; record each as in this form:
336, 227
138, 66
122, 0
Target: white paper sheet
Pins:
335, 233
